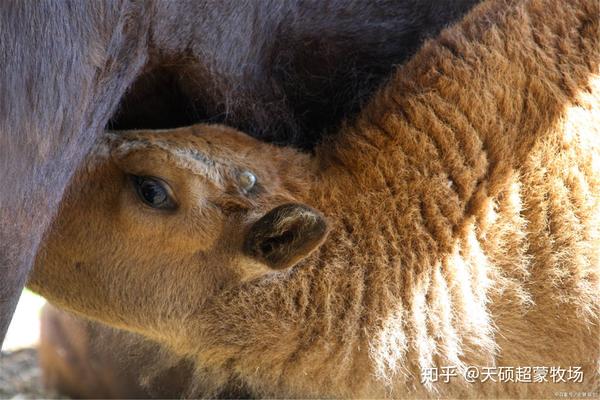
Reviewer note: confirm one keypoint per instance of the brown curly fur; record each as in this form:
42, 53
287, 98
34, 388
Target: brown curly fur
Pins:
464, 209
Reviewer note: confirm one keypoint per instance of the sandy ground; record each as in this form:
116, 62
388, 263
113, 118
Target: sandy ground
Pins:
20, 376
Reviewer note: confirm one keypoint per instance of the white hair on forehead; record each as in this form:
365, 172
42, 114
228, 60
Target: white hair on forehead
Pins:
190, 159
103, 146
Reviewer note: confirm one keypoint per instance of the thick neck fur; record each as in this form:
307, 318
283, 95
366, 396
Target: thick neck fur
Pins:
457, 230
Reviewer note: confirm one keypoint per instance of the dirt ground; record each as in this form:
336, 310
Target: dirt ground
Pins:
20, 376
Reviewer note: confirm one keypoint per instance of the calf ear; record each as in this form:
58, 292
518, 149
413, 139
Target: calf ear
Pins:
285, 235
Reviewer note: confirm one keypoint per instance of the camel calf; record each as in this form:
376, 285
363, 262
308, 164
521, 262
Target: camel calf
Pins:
282, 71
458, 226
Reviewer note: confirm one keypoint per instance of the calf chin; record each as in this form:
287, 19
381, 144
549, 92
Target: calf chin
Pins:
86, 359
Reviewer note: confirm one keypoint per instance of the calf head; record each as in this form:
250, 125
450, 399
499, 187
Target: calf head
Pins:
157, 222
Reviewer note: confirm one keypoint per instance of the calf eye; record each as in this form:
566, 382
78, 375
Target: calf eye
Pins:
154, 192
247, 180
